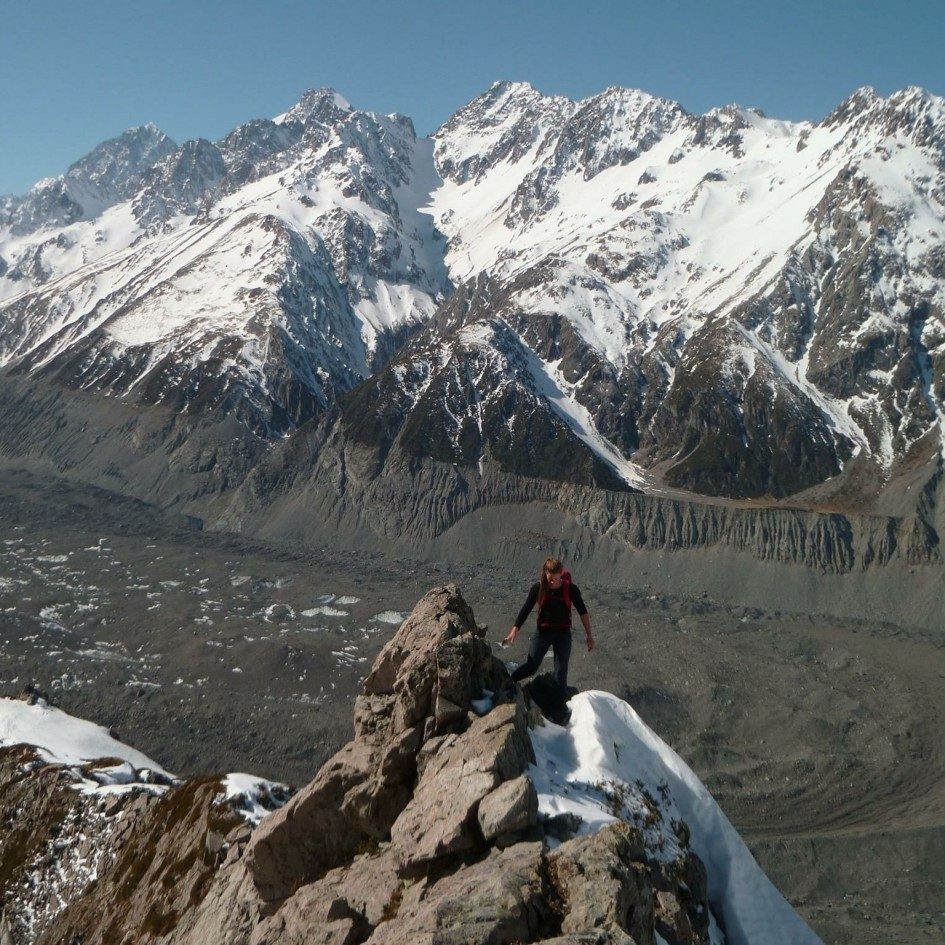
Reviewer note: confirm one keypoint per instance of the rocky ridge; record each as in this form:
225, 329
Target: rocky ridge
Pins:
424, 828
109, 174
384, 492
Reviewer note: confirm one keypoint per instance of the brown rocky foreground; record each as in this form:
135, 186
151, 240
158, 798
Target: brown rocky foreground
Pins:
422, 829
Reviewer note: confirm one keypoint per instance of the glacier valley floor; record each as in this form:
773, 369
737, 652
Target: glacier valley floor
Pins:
821, 738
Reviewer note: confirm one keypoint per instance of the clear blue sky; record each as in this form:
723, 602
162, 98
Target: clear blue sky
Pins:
74, 73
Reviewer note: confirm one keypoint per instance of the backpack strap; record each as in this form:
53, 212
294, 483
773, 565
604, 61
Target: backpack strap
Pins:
566, 588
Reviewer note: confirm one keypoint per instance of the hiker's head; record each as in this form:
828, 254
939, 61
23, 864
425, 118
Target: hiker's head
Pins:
551, 572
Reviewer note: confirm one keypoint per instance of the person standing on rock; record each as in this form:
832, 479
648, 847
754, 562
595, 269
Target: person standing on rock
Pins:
554, 593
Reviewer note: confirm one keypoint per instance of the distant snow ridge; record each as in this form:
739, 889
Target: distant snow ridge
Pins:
82, 747
675, 268
63, 739
607, 760
269, 269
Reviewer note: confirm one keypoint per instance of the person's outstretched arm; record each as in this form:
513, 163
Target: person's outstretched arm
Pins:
585, 616
523, 613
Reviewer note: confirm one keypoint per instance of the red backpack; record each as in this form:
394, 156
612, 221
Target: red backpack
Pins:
565, 592
566, 588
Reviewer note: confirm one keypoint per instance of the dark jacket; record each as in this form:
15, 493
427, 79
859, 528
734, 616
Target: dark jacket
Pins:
554, 613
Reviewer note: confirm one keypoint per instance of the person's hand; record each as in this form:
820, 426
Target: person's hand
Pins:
590, 643
510, 638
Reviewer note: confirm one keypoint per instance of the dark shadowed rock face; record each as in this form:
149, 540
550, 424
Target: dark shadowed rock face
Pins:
35, 807
423, 830
166, 857
97, 865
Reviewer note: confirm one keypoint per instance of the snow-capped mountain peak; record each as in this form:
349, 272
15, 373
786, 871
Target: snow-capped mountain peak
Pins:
744, 303
110, 173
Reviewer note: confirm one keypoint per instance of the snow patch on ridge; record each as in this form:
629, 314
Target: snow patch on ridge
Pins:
61, 738
252, 797
608, 759
75, 744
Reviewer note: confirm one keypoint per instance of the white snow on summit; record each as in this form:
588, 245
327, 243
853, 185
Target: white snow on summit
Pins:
283, 264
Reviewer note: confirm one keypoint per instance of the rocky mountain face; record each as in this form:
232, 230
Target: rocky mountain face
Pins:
741, 304
261, 276
109, 174
427, 827
330, 483
612, 292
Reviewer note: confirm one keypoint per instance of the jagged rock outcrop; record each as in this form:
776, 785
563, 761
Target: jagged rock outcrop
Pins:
605, 883
96, 839
414, 747
463, 861
423, 829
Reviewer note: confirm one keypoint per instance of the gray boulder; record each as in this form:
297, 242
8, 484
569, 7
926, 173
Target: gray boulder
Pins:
441, 818
502, 899
342, 907
510, 808
604, 882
